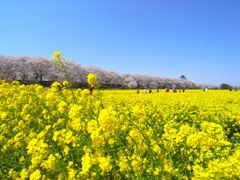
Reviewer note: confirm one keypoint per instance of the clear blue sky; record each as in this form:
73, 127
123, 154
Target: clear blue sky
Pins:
197, 38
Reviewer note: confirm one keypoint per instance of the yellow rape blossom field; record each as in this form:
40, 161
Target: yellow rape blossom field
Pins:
61, 133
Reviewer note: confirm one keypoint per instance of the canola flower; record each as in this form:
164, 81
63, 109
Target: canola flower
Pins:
92, 80
59, 133
58, 59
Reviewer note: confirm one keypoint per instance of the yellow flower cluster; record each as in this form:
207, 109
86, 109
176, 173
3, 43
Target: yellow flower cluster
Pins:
60, 133
92, 80
58, 59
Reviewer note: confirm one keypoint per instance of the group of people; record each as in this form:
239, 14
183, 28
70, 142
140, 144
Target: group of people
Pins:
157, 90
231, 89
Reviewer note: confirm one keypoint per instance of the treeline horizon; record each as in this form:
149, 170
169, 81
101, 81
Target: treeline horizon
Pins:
31, 70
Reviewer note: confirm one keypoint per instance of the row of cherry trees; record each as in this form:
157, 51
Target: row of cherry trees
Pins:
43, 71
